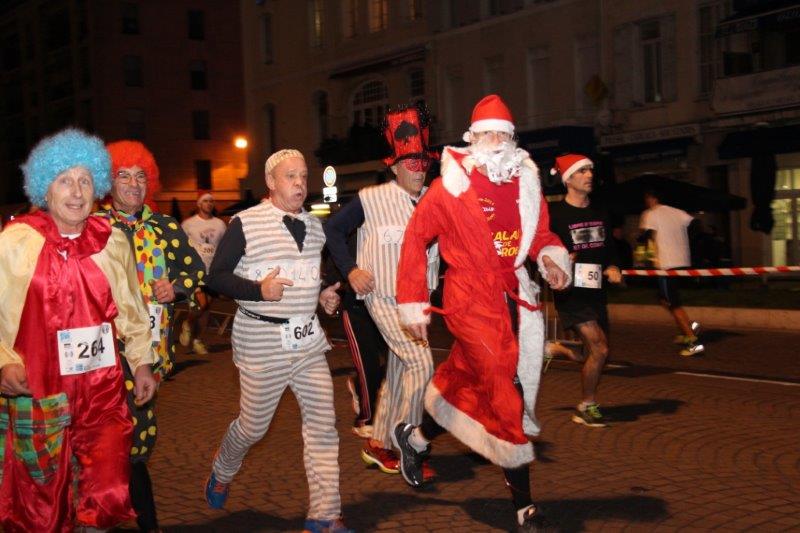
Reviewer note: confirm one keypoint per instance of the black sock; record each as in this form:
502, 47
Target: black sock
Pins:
141, 490
518, 481
429, 428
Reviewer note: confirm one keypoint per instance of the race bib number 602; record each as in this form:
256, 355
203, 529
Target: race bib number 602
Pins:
299, 333
82, 350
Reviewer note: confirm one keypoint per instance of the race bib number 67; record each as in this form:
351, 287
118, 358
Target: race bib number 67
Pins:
82, 350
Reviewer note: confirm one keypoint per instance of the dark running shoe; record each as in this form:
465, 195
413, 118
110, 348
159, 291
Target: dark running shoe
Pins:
590, 417
535, 522
325, 526
410, 459
216, 492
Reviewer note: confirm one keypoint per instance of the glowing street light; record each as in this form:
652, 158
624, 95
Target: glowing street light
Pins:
240, 142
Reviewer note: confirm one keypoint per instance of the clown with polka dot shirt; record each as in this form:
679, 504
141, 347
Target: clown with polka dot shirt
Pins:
168, 269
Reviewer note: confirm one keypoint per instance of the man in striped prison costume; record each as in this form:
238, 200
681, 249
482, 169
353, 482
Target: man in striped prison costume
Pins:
381, 213
269, 262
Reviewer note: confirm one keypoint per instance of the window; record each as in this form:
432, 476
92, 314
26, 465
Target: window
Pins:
200, 125
378, 13
134, 123
202, 174
453, 98
132, 67
196, 20
130, 18
538, 85
57, 30
492, 7
414, 9
349, 18
197, 75
266, 38
320, 103
493, 75
369, 103
786, 212
12, 52
416, 83
315, 19
650, 39
709, 64
270, 134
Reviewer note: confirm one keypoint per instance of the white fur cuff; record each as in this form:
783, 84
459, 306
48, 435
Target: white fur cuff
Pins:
560, 257
413, 313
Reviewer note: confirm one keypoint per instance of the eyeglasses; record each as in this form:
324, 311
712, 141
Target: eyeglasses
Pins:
497, 135
127, 178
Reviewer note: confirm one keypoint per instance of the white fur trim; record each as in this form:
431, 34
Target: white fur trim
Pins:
454, 178
560, 257
530, 195
492, 124
574, 167
531, 352
413, 313
473, 434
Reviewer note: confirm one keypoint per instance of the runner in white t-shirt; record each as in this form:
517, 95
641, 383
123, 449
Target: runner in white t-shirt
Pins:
668, 227
204, 231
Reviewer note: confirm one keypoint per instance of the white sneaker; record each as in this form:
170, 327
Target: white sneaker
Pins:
351, 386
186, 334
692, 349
198, 347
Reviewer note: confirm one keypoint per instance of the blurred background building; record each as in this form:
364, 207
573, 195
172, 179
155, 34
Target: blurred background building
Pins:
703, 93
166, 73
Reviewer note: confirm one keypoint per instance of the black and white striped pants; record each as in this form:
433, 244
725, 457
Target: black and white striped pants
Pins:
310, 380
409, 368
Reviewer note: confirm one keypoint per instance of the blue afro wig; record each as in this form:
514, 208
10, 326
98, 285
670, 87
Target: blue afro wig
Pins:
60, 152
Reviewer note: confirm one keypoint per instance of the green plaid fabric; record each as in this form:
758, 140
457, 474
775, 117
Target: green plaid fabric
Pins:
37, 432
3, 431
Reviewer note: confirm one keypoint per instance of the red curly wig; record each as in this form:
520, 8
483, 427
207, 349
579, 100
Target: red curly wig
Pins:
133, 153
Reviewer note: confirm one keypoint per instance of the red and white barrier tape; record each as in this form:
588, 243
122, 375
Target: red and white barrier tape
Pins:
707, 272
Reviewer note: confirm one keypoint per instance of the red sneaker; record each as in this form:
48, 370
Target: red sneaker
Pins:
428, 473
385, 460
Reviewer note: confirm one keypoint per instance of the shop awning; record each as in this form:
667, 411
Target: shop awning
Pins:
747, 143
627, 198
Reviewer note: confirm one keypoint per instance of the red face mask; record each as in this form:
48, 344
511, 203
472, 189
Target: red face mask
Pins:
416, 164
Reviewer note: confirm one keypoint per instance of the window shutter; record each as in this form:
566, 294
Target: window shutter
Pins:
669, 61
623, 66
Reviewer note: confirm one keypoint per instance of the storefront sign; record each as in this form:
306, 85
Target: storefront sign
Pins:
645, 136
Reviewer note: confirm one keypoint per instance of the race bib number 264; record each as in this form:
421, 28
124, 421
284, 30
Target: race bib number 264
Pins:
82, 350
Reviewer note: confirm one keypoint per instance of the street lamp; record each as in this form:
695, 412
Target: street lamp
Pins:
240, 142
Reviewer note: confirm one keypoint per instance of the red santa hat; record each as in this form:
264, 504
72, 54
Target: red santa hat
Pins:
491, 114
568, 164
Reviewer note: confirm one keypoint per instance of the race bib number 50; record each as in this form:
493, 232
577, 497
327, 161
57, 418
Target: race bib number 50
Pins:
588, 275
82, 350
299, 333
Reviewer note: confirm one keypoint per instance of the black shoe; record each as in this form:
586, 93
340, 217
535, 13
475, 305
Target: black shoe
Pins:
410, 459
535, 522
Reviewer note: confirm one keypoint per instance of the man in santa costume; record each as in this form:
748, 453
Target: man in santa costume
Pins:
489, 216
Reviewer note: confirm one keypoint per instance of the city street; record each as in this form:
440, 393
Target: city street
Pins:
695, 444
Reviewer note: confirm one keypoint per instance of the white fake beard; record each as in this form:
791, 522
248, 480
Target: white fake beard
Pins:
502, 161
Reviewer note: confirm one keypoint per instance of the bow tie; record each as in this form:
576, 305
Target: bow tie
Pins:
297, 228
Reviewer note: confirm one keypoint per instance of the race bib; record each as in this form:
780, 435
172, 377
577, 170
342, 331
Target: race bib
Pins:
304, 273
391, 235
300, 332
588, 276
155, 311
82, 350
